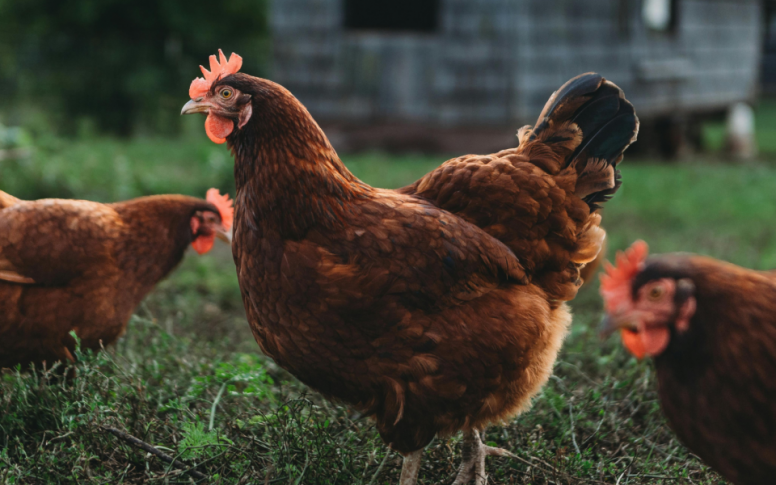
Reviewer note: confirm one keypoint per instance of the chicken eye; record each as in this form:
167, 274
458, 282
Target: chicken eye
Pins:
655, 292
226, 93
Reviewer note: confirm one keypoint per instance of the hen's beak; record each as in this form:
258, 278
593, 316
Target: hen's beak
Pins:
611, 323
225, 236
195, 106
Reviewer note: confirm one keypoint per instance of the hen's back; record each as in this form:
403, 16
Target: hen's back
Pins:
542, 198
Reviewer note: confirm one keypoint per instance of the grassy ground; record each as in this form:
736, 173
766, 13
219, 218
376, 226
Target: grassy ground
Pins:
189, 378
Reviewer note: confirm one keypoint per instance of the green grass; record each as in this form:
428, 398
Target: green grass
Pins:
188, 357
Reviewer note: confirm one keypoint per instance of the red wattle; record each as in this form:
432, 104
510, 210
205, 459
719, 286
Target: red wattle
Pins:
649, 342
218, 128
203, 243
633, 342
655, 340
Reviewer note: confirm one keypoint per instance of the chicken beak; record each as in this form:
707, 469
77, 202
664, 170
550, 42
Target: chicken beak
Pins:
612, 323
225, 236
195, 106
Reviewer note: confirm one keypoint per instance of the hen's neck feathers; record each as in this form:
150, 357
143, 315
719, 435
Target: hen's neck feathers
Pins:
157, 231
288, 175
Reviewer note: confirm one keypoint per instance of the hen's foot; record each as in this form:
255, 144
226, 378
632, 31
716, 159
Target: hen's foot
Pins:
473, 459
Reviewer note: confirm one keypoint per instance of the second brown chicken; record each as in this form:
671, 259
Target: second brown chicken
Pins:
76, 265
710, 327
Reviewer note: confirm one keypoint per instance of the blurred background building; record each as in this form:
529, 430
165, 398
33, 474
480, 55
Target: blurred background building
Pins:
402, 75
378, 71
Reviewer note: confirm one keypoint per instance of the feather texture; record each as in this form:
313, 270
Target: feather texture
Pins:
83, 266
541, 198
433, 308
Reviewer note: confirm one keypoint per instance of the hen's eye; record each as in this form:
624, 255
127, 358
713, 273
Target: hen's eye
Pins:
656, 293
226, 93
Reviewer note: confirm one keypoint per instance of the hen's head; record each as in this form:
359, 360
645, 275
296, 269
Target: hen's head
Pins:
227, 108
649, 301
206, 225
229, 98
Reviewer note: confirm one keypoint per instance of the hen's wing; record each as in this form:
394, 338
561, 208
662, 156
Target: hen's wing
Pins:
407, 246
395, 245
392, 249
49, 242
541, 198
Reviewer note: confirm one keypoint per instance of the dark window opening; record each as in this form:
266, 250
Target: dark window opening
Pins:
768, 68
392, 15
624, 9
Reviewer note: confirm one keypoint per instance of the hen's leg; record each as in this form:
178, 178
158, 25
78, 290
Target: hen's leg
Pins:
473, 459
410, 468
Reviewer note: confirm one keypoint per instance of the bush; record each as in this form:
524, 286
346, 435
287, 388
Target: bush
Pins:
121, 66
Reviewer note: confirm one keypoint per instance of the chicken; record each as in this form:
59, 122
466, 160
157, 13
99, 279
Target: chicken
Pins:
710, 327
435, 308
75, 265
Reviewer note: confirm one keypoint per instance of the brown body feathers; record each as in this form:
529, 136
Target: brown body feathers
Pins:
436, 307
83, 266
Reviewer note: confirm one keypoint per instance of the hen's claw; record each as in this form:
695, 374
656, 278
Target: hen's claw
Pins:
473, 460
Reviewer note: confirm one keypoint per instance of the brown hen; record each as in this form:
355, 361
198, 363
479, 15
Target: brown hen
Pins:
435, 308
711, 328
75, 265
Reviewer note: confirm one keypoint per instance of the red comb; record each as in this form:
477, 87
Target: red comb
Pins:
224, 205
199, 87
616, 282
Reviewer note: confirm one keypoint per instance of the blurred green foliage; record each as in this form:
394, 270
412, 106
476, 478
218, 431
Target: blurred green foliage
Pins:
118, 66
14, 137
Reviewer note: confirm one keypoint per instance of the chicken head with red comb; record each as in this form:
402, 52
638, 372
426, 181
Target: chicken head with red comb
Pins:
643, 311
616, 287
206, 226
223, 106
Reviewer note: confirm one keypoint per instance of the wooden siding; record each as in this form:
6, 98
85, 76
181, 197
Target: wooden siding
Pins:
495, 62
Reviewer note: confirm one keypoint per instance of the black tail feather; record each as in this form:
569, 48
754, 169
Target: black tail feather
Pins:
595, 200
557, 107
607, 120
609, 141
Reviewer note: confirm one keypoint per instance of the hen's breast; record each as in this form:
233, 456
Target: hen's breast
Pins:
419, 371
